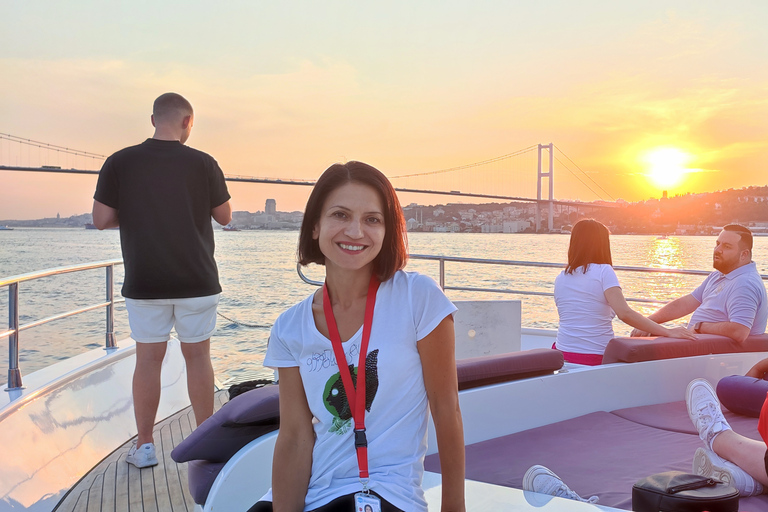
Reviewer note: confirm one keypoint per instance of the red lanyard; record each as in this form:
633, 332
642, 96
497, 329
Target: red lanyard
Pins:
355, 394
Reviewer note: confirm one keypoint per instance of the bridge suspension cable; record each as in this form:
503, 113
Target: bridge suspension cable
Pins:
584, 173
52, 147
469, 166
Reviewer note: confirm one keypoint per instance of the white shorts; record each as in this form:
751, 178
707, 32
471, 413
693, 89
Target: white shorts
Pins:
151, 320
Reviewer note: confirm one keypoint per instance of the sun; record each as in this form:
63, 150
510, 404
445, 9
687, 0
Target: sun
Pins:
666, 166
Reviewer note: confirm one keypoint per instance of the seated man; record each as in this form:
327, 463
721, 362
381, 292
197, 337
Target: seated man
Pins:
732, 300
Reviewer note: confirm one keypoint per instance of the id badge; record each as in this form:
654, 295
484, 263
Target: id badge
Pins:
365, 502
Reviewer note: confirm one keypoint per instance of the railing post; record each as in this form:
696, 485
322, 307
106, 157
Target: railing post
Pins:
442, 274
110, 341
14, 373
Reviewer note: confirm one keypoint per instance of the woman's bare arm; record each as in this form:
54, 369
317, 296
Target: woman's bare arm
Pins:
629, 316
292, 460
438, 361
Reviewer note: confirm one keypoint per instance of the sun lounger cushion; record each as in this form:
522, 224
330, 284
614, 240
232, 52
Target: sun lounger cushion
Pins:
486, 370
673, 416
596, 454
633, 350
237, 423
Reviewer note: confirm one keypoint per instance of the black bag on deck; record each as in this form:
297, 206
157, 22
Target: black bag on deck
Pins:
675, 491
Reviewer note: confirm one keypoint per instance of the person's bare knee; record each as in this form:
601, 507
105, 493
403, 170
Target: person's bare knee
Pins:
149, 356
195, 352
200, 382
151, 352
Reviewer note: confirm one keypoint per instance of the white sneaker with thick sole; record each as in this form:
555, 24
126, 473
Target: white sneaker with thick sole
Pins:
704, 411
708, 463
542, 480
143, 456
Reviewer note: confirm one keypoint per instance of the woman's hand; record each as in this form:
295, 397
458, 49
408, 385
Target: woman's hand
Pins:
681, 332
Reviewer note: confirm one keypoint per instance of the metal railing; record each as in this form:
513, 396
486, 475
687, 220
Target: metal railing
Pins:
14, 372
539, 264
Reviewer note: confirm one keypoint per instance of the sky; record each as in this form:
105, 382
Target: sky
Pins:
637, 96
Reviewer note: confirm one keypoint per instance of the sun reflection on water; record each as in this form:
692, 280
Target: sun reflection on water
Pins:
665, 252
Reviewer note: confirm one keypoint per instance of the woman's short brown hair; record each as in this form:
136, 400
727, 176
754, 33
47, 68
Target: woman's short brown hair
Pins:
394, 250
590, 243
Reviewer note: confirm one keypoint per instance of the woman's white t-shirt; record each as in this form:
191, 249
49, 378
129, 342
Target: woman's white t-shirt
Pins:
585, 316
408, 307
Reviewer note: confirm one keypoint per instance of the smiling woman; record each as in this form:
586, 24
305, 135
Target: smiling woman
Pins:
666, 166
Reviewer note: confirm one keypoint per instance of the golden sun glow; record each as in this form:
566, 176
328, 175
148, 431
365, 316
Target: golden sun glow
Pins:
666, 166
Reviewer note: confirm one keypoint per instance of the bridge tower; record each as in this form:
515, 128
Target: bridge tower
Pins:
550, 176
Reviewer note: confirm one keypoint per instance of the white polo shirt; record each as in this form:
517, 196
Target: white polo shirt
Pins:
738, 296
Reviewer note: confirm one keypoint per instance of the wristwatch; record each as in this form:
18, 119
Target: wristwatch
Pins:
697, 327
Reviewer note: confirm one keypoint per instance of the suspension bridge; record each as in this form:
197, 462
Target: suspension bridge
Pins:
502, 178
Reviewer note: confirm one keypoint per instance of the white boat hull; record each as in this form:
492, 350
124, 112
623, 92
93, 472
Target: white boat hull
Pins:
70, 416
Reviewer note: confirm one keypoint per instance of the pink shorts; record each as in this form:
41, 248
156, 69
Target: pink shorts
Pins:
585, 359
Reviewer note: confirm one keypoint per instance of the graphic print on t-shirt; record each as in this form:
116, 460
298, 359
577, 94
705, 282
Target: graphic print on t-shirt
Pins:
335, 397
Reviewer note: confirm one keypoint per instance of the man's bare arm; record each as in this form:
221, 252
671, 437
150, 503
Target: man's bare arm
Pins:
734, 330
104, 217
678, 308
222, 213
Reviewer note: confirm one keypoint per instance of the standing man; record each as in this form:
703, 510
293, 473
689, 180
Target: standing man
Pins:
163, 194
732, 300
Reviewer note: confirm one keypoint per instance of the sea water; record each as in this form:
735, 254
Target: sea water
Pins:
259, 280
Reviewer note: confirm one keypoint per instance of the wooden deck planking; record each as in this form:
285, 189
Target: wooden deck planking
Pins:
116, 486
108, 488
94, 494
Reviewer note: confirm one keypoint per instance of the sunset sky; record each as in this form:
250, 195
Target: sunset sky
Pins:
641, 95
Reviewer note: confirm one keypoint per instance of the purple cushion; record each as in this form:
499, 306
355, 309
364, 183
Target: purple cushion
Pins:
597, 454
673, 416
482, 371
201, 475
237, 423
633, 350
742, 394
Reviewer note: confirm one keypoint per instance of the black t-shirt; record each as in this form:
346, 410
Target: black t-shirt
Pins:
164, 192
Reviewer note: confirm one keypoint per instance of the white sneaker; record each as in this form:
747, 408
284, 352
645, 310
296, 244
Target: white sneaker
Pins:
542, 480
704, 411
708, 463
143, 456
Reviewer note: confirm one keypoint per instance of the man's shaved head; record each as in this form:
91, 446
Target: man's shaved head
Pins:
171, 107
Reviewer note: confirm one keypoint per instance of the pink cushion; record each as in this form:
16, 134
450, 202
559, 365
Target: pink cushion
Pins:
633, 350
483, 371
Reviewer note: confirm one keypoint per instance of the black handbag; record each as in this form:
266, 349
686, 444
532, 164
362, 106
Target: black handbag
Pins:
675, 491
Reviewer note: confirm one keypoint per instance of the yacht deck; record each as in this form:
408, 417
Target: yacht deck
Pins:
116, 486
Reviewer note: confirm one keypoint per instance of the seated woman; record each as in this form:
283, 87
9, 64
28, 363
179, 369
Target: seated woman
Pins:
728, 456
362, 362
588, 296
